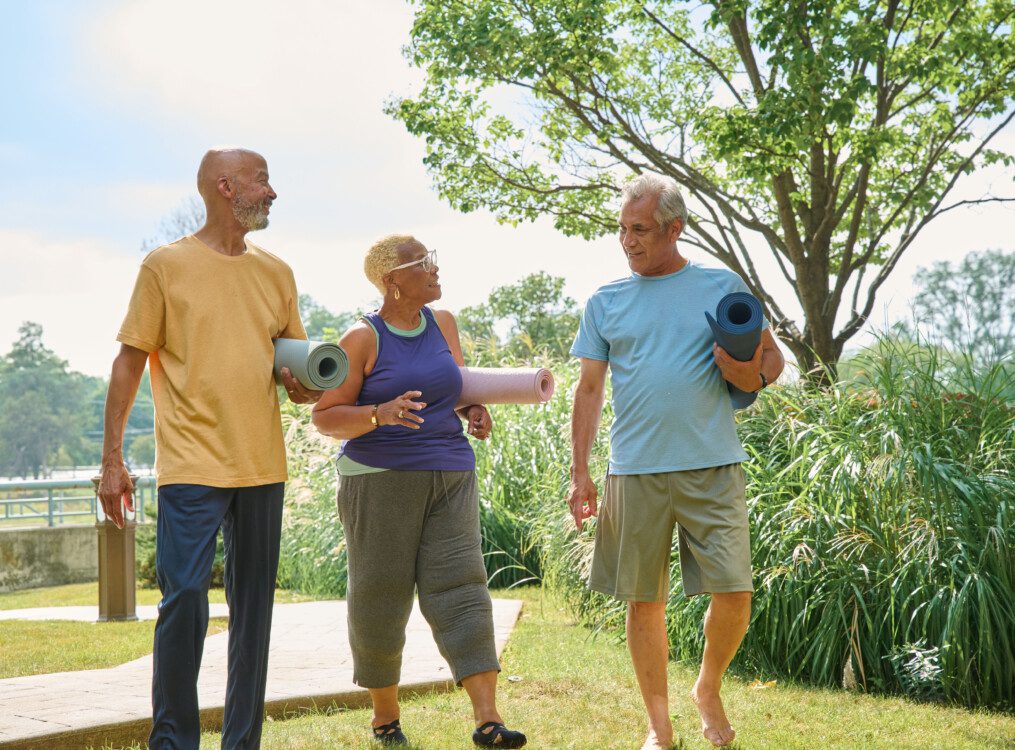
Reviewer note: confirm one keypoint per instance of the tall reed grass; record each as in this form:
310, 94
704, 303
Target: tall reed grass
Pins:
523, 476
883, 518
312, 558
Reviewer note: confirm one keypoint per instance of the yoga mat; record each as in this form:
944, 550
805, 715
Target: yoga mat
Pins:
505, 385
737, 329
318, 365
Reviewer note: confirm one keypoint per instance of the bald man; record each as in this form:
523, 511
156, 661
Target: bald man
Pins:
204, 313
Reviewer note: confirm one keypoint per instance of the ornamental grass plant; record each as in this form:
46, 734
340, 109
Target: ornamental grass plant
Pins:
312, 558
883, 527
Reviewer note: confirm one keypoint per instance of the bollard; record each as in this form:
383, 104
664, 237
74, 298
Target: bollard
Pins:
116, 565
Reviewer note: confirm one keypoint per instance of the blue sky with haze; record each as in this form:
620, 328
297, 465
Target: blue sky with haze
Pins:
109, 105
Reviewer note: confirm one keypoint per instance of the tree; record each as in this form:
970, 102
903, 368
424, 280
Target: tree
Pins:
84, 447
969, 306
42, 404
827, 134
142, 451
185, 219
321, 323
535, 312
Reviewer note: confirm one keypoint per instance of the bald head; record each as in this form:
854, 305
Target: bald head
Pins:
226, 163
234, 185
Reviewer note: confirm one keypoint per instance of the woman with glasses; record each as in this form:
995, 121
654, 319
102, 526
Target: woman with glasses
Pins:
407, 492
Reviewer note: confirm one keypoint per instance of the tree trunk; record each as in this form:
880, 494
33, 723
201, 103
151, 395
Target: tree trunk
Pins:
816, 351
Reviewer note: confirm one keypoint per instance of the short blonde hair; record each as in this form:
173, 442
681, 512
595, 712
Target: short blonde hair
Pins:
382, 257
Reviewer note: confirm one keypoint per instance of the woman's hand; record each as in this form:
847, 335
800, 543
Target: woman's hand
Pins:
402, 410
479, 421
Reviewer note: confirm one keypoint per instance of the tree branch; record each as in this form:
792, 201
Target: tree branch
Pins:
694, 51
977, 202
907, 239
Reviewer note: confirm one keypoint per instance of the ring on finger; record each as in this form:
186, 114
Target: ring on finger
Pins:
401, 414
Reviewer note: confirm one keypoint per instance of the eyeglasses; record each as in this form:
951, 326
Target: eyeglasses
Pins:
428, 262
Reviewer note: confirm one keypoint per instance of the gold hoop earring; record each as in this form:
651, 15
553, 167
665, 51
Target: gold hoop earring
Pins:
398, 294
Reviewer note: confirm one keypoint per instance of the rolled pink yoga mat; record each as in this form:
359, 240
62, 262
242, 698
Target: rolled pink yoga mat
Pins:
505, 385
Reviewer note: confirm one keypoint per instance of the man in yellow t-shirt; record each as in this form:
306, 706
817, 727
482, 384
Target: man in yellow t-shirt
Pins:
204, 314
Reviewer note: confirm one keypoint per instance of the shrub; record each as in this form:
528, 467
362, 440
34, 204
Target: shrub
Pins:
523, 475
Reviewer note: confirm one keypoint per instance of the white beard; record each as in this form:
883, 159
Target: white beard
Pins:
252, 216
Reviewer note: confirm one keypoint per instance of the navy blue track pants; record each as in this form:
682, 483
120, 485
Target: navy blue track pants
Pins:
189, 518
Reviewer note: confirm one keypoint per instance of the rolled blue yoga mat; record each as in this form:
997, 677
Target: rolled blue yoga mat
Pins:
318, 365
736, 327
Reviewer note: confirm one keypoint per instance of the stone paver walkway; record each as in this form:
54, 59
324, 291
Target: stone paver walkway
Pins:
309, 665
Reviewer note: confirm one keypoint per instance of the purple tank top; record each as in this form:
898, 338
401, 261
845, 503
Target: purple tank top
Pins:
414, 363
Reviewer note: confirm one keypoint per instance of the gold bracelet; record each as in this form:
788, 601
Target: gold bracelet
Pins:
373, 416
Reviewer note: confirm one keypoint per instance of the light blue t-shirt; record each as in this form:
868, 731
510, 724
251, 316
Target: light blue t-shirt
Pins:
671, 405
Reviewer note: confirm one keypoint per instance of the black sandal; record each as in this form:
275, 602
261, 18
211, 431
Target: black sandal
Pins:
498, 736
391, 734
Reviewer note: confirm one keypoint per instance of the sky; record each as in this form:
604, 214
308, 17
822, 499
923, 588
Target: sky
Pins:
108, 106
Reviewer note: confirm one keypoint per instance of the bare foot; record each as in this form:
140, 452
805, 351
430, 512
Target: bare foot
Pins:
714, 725
656, 741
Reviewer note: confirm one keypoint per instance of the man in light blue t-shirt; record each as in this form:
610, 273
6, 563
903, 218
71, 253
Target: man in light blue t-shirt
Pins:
674, 451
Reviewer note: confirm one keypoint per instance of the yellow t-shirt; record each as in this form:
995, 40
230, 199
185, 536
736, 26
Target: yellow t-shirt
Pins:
208, 321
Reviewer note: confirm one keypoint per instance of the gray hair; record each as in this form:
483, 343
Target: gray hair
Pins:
671, 203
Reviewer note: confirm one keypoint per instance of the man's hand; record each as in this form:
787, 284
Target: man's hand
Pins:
479, 420
744, 375
582, 498
115, 490
298, 394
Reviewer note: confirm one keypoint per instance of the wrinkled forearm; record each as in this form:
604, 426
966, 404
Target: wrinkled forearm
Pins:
123, 384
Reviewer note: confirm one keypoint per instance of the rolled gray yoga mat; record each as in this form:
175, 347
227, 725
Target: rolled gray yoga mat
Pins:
505, 385
736, 327
318, 365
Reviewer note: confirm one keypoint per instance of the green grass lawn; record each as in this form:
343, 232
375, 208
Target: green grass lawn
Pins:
31, 647
39, 647
574, 691
77, 594
579, 692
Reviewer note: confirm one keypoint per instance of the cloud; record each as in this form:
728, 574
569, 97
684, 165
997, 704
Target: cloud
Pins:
77, 291
152, 199
307, 69
13, 153
302, 82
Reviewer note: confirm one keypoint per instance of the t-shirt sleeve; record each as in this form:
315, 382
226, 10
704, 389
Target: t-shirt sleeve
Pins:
144, 326
293, 328
739, 285
590, 343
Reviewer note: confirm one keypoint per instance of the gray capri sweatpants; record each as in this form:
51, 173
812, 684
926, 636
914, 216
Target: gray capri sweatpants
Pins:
407, 530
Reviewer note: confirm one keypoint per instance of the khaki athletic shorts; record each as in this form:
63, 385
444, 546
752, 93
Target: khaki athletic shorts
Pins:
635, 534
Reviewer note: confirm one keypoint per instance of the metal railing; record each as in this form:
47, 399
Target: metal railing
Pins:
53, 502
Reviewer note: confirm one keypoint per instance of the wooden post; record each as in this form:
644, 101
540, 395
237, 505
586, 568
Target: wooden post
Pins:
117, 580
